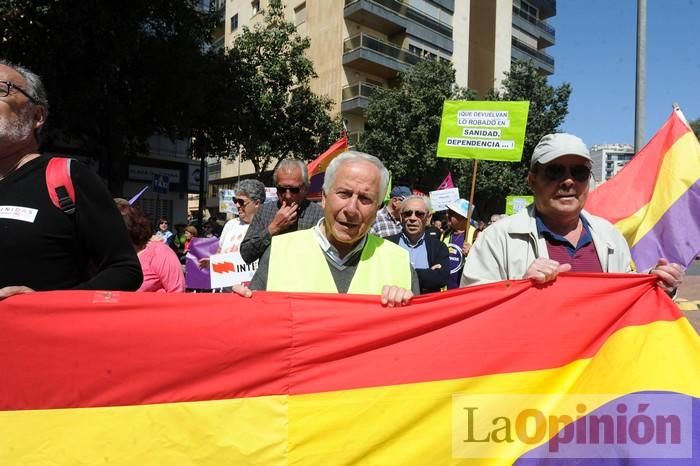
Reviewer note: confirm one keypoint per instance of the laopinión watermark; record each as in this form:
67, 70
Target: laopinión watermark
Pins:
639, 425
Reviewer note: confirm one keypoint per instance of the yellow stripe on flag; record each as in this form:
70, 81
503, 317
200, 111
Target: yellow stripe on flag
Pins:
679, 170
207, 433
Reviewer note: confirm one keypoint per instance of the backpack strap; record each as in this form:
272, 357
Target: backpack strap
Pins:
60, 184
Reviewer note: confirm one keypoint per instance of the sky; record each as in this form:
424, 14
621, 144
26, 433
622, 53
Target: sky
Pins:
595, 52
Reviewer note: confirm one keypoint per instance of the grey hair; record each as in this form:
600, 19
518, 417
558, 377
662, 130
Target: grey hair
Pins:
291, 165
254, 189
352, 155
425, 200
35, 87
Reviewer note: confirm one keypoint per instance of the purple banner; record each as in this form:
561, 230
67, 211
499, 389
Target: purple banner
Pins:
200, 248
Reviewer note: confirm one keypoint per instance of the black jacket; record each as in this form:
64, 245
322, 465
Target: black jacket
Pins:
431, 280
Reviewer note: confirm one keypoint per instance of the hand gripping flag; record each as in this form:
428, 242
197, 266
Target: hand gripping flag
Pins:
317, 167
654, 201
593, 369
446, 183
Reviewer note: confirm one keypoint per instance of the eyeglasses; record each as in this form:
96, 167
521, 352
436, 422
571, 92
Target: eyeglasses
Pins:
163, 223
418, 213
6, 86
241, 202
283, 189
558, 172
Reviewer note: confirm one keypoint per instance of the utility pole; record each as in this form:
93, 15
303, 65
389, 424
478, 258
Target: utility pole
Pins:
641, 76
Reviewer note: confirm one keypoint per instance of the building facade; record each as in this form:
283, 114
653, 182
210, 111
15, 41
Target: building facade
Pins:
359, 45
608, 159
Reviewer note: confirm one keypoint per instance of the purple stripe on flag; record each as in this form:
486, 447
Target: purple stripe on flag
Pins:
316, 183
676, 236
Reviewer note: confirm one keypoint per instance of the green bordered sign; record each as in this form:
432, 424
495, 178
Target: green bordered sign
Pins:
485, 130
515, 204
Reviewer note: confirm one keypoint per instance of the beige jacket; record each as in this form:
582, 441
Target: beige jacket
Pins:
505, 250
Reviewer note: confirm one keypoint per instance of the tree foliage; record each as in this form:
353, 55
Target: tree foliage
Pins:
403, 126
695, 125
403, 123
280, 116
116, 72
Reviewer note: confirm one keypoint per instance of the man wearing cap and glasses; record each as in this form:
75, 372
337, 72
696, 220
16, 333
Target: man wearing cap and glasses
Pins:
555, 234
388, 220
43, 247
429, 256
291, 212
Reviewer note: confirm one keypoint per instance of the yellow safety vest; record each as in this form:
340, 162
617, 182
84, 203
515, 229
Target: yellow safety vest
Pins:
298, 264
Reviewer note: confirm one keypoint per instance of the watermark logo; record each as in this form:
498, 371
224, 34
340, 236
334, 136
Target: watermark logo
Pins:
640, 425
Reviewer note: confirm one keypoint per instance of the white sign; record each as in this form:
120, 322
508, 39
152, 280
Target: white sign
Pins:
270, 194
230, 269
440, 199
226, 201
193, 174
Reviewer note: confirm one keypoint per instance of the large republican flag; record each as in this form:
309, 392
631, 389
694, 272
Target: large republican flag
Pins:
592, 369
654, 201
317, 167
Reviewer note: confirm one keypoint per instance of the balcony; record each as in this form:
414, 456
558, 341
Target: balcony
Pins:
392, 16
355, 98
544, 32
541, 60
374, 56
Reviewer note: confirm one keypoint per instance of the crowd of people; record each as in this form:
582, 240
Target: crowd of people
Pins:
350, 242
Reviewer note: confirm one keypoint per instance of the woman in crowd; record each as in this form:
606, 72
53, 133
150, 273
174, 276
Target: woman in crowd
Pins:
190, 232
249, 196
162, 271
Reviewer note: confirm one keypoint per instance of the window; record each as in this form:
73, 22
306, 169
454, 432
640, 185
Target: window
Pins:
234, 22
300, 13
255, 7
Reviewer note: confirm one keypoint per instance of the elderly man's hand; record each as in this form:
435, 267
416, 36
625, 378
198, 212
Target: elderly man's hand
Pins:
204, 263
395, 296
285, 217
670, 276
466, 247
242, 290
545, 270
8, 291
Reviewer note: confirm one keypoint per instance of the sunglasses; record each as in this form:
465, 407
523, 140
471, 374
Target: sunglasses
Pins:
284, 189
418, 213
556, 172
241, 202
163, 223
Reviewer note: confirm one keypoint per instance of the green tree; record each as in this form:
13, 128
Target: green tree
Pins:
119, 72
280, 116
548, 108
695, 125
403, 123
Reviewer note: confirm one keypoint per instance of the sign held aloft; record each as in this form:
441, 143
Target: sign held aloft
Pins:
484, 130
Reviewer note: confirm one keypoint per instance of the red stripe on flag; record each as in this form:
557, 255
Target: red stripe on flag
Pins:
140, 348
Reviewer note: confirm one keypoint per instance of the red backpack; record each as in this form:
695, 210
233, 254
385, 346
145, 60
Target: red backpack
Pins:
60, 184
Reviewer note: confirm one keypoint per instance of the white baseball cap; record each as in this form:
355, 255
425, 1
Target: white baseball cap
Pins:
553, 146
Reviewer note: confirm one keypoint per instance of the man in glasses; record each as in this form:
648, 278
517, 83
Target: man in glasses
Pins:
555, 234
42, 247
429, 256
338, 255
291, 212
388, 220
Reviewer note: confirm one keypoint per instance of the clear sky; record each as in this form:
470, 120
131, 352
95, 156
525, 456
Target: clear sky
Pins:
595, 52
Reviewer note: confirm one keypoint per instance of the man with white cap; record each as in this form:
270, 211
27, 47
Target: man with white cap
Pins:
555, 234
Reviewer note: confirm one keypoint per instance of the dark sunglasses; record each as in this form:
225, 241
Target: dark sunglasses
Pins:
556, 172
419, 213
239, 201
163, 223
284, 189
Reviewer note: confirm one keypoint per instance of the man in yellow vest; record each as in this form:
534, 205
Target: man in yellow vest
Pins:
338, 255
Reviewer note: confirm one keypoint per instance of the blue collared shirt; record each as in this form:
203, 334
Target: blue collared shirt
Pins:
417, 252
559, 239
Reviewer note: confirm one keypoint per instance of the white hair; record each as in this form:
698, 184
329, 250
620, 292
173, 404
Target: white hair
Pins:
425, 200
351, 156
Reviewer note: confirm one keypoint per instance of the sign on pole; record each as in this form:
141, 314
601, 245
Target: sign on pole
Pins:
515, 204
484, 130
439, 199
226, 203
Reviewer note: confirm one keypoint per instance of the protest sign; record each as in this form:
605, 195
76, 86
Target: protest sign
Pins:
439, 199
230, 269
485, 130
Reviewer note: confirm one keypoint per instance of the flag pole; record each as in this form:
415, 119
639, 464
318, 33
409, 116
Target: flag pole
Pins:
471, 201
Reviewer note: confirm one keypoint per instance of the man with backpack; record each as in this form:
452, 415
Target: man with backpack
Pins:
59, 227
